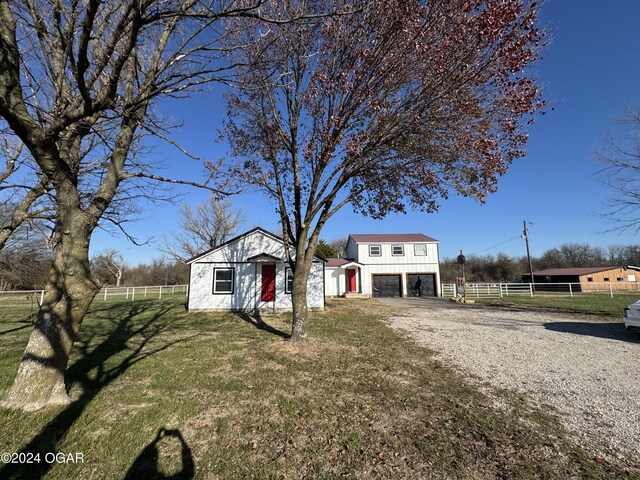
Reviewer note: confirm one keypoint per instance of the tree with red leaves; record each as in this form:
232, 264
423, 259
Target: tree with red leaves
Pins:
385, 107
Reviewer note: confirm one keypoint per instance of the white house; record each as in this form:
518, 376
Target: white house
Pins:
386, 265
249, 273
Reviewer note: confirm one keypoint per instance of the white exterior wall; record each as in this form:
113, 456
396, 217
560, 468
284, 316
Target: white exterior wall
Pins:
390, 264
248, 277
335, 281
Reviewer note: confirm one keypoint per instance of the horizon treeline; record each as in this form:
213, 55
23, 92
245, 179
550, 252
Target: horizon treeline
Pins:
28, 271
504, 268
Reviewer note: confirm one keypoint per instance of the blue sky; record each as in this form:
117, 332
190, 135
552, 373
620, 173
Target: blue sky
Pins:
590, 74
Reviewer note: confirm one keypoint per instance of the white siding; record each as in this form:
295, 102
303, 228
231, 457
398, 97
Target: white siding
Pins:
387, 263
387, 258
335, 282
248, 277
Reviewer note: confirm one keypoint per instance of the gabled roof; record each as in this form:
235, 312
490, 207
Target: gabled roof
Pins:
264, 256
341, 262
235, 239
391, 238
573, 271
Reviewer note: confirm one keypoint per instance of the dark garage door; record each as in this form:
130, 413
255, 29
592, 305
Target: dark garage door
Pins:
426, 287
386, 286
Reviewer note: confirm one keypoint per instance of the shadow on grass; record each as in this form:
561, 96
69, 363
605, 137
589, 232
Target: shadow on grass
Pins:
27, 323
125, 334
614, 331
148, 462
260, 324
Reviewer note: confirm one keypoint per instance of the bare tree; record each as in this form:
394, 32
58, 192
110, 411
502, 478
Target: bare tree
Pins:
389, 108
207, 225
621, 174
340, 245
109, 267
78, 81
570, 255
25, 257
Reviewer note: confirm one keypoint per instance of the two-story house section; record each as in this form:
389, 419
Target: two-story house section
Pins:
386, 265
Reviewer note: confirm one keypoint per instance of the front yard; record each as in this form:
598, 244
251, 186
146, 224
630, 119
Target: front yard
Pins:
165, 392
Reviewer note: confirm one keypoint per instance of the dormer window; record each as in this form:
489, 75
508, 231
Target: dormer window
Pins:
420, 249
397, 250
375, 250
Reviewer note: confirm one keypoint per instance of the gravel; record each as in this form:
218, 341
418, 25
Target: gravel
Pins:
586, 367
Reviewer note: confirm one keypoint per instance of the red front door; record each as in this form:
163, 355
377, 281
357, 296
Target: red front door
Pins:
351, 280
268, 283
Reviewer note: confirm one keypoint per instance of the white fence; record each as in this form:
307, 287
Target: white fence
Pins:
21, 298
133, 293
36, 297
501, 290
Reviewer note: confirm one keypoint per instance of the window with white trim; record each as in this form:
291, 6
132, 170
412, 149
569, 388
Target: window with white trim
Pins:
420, 249
397, 250
288, 279
375, 250
223, 280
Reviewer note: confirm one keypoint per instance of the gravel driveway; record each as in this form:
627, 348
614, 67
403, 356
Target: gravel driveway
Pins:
588, 368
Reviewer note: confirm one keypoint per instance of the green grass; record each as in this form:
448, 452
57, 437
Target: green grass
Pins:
594, 304
159, 391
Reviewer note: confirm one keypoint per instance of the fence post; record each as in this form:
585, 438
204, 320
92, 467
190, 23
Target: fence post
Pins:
105, 294
570, 291
145, 292
173, 290
126, 297
133, 293
611, 290
160, 294
186, 290
42, 298
531, 290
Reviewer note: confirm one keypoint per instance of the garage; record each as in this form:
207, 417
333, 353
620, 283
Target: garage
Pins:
387, 286
421, 284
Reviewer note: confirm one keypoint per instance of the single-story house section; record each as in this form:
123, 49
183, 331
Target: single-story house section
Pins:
386, 265
249, 273
342, 275
586, 278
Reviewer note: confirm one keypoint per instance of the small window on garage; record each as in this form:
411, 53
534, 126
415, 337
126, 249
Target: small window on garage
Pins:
420, 250
631, 278
589, 279
606, 279
619, 279
375, 250
223, 280
397, 250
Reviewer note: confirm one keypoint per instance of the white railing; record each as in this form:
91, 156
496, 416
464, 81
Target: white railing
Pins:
500, 290
24, 297
10, 298
151, 291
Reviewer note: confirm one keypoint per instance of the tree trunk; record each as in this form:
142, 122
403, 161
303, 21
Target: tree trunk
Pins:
299, 301
69, 292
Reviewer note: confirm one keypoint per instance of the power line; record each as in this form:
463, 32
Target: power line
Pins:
498, 245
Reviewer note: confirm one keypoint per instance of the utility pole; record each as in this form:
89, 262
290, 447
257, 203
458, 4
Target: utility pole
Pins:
525, 234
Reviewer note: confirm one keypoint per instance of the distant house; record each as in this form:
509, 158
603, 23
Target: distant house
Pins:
386, 265
587, 278
249, 273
